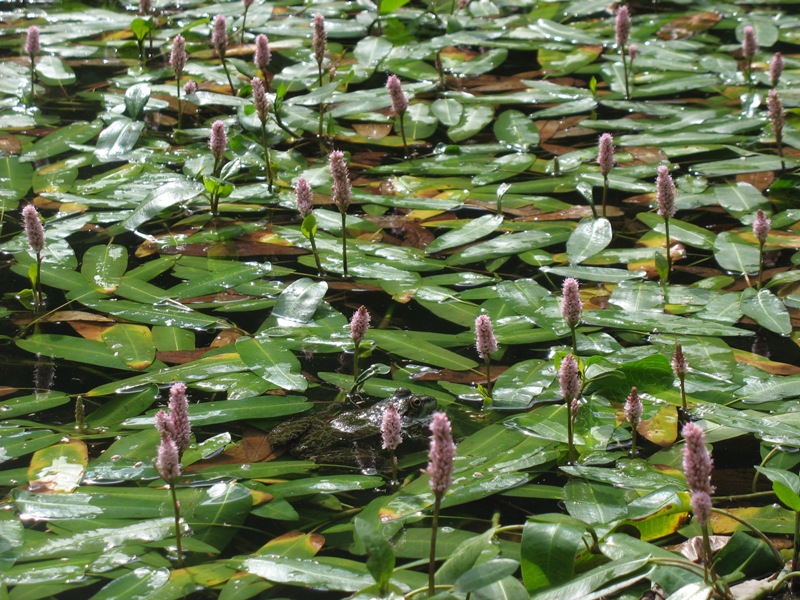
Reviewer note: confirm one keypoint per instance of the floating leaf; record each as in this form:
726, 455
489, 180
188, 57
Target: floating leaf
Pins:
588, 238
767, 310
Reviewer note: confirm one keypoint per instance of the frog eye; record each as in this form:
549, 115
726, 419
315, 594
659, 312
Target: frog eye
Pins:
416, 403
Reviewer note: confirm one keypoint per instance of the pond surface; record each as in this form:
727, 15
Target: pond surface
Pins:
171, 257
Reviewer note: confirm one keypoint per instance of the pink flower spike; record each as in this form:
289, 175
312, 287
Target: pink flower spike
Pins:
633, 52
359, 324
665, 193
441, 454
571, 304
342, 189
33, 228
32, 45
190, 87
697, 462
485, 340
168, 462
179, 414
391, 428
622, 26
304, 197
263, 54
761, 227
776, 114
569, 378
248, 3
749, 42
679, 365
775, 68
145, 7
319, 39
605, 153
701, 506
219, 35
633, 408
178, 57
260, 99
218, 142
397, 95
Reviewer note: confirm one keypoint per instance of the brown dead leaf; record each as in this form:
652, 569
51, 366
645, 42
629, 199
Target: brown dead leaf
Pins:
647, 154
180, 357
6, 390
555, 128
89, 330
10, 144
254, 447
685, 27
761, 362
761, 181
373, 131
64, 316
464, 377
226, 336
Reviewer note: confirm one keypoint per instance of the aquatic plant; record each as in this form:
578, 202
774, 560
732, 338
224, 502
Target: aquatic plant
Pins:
441, 455
486, 344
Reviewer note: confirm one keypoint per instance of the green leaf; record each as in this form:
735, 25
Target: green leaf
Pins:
15, 181
503, 245
141, 27
471, 231
62, 140
380, 557
548, 553
58, 468
117, 140
766, 309
33, 403
465, 556
141, 582
309, 226
300, 300
323, 574
160, 199
100, 539
740, 199
486, 574
248, 409
270, 360
472, 121
132, 344
405, 344
516, 129
51, 70
588, 238
193, 371
448, 111
104, 265
72, 348
734, 254
785, 484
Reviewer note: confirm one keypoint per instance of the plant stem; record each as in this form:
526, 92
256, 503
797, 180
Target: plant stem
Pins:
570, 436
176, 505
180, 104
403, 133
605, 193
625, 73
356, 370
488, 376
344, 243
682, 382
432, 558
669, 255
33, 80
316, 253
244, 21
38, 296
795, 551
760, 265
266, 156
227, 74
574, 336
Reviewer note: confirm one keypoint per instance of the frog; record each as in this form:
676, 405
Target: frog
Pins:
338, 437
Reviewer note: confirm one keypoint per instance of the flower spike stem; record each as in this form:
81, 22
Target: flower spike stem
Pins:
177, 507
